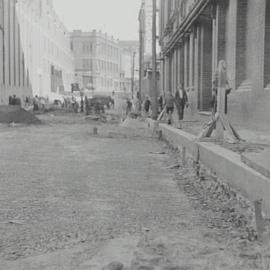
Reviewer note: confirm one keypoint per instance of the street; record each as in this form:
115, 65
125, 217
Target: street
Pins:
66, 195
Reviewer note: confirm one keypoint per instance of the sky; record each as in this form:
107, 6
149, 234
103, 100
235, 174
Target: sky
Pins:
118, 18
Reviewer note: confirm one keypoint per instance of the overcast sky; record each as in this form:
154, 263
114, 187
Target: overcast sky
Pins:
115, 17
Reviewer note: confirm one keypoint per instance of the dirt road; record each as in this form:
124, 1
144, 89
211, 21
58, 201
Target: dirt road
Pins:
71, 200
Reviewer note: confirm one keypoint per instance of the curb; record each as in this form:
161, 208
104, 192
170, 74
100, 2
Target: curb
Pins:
226, 164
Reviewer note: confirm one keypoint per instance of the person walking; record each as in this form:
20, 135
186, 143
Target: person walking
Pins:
160, 103
147, 105
169, 102
35, 104
181, 100
129, 107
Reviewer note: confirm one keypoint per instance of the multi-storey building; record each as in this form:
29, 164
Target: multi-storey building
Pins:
14, 75
196, 34
97, 61
46, 46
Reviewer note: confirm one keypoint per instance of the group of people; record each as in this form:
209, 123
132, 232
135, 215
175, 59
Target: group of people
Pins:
14, 100
178, 101
39, 103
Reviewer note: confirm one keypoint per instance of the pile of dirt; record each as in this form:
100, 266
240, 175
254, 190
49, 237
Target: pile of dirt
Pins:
15, 114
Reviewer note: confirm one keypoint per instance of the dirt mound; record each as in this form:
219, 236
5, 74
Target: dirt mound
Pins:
15, 114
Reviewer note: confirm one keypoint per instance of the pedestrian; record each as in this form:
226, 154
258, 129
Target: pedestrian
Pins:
27, 101
169, 102
13, 102
214, 95
35, 103
82, 104
129, 107
160, 103
181, 101
147, 105
75, 106
42, 102
87, 107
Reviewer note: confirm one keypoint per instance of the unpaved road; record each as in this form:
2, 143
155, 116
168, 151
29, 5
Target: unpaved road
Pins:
71, 200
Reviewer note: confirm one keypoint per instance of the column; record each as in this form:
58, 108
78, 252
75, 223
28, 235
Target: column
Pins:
1, 43
197, 64
191, 61
186, 64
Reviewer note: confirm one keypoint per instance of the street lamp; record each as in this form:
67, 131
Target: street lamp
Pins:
154, 63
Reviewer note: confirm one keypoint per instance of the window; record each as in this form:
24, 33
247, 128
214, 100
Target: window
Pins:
87, 64
87, 47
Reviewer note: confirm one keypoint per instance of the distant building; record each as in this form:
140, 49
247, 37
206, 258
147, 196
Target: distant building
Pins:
129, 53
14, 75
97, 61
46, 46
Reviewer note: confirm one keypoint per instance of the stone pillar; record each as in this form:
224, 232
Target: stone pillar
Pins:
197, 64
167, 74
191, 61
215, 45
186, 64
267, 46
255, 44
1, 45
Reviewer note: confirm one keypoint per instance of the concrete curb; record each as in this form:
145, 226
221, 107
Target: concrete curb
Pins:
225, 163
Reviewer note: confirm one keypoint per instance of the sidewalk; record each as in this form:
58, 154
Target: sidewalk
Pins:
224, 159
254, 151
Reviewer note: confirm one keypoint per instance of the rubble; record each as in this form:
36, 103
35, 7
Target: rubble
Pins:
14, 115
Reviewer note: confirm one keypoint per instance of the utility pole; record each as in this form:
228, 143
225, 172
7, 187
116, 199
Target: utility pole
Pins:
141, 57
133, 73
154, 62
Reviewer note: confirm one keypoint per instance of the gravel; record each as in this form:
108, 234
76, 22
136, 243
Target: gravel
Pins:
63, 188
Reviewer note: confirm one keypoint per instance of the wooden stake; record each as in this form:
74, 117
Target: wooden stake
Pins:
184, 156
259, 218
95, 131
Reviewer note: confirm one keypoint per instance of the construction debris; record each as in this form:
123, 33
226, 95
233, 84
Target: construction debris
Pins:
17, 115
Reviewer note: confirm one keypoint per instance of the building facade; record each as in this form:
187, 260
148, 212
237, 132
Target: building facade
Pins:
97, 61
14, 75
46, 46
196, 34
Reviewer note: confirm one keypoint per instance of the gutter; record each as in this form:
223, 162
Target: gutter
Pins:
185, 25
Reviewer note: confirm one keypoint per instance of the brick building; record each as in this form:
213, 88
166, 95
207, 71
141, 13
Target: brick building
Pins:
14, 76
196, 34
97, 61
